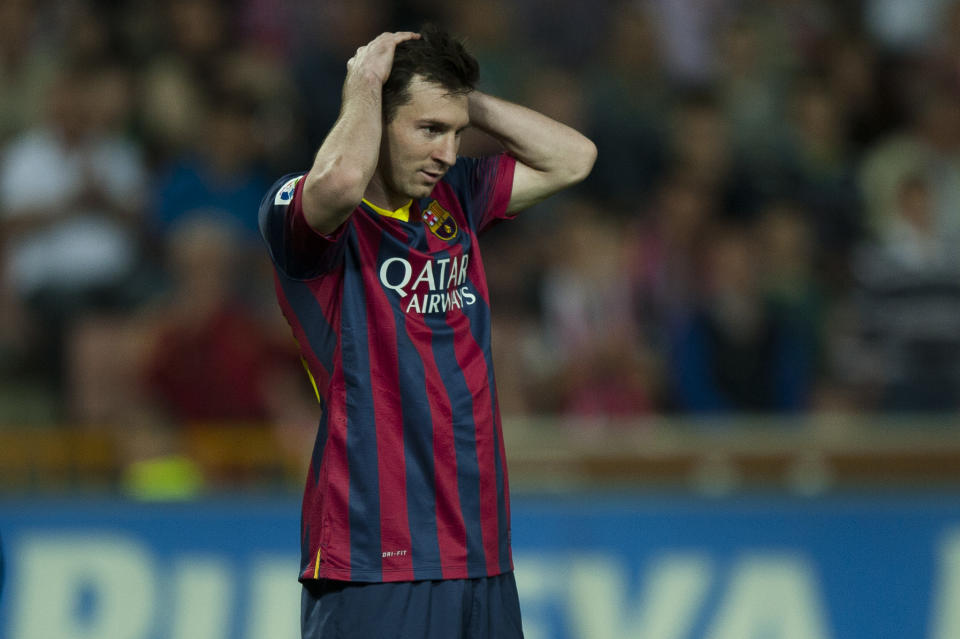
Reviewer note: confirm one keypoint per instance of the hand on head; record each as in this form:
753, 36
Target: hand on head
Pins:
375, 59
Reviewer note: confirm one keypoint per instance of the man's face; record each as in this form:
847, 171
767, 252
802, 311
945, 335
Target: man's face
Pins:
422, 140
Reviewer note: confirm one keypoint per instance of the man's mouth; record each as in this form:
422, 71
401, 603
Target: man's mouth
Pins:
433, 176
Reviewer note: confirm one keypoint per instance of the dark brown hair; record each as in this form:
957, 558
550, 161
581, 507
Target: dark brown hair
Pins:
438, 58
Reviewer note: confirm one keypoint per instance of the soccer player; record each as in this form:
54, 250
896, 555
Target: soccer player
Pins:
406, 517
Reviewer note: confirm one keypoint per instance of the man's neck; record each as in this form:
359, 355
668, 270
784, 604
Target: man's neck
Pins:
378, 194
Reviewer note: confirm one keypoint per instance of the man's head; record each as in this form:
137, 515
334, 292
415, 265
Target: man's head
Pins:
425, 109
435, 57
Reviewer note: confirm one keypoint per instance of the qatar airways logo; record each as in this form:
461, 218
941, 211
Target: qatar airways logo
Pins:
439, 286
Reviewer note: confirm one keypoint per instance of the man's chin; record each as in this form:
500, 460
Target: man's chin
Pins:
422, 190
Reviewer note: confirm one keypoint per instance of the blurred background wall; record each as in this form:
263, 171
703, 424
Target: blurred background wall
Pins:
738, 340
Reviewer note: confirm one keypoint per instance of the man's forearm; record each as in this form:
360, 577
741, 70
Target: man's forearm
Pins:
346, 160
561, 154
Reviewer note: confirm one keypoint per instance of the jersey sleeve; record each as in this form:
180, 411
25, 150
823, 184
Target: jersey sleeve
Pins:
485, 184
297, 250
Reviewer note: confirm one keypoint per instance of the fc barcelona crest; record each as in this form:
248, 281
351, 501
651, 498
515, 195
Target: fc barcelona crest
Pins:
440, 222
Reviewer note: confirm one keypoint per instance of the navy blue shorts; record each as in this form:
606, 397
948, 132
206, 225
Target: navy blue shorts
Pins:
481, 608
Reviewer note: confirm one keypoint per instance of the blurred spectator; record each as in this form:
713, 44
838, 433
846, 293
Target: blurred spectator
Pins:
263, 78
789, 279
688, 37
908, 309
819, 173
792, 33
628, 98
663, 256
196, 47
71, 193
903, 25
192, 362
614, 379
27, 68
105, 354
750, 88
521, 355
943, 49
491, 30
735, 352
555, 91
786, 243
212, 358
89, 32
863, 87
13, 327
563, 33
931, 147
222, 175
699, 140
699, 145
23, 400
268, 26
602, 365
193, 36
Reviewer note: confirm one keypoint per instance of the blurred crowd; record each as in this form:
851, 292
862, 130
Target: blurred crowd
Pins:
772, 225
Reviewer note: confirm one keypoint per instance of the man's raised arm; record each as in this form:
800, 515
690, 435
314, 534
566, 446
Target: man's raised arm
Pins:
348, 156
550, 156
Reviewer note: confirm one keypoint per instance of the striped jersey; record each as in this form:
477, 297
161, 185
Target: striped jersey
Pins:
408, 478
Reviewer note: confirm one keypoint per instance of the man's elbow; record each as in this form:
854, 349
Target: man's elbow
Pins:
329, 196
582, 160
589, 158
335, 187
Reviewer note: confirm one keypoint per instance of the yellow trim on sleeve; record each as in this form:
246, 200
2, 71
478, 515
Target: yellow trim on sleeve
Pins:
402, 214
316, 566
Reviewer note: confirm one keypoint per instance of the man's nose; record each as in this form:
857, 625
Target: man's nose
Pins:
446, 150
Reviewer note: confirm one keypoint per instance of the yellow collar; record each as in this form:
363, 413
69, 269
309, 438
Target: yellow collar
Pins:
402, 214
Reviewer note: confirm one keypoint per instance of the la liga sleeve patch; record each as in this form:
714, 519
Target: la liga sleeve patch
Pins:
285, 194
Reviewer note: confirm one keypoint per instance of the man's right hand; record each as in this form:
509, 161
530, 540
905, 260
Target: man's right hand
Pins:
374, 60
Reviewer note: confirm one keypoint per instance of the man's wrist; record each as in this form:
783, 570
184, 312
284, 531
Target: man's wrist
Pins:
365, 88
477, 106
